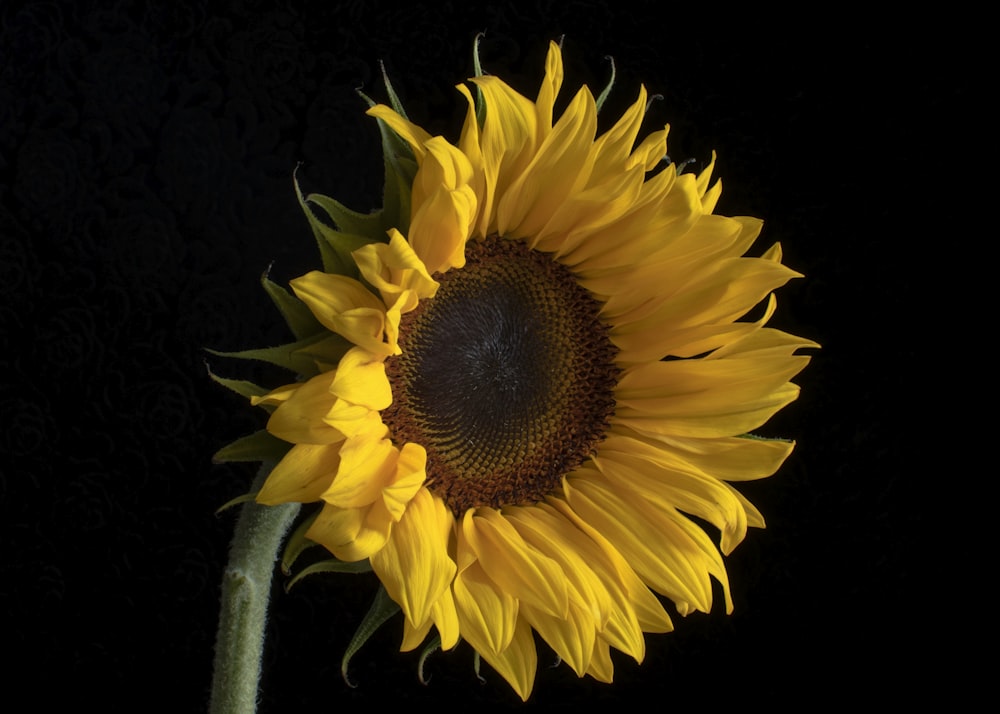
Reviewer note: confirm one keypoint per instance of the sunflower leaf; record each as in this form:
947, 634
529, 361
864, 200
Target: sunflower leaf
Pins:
258, 446
430, 648
298, 317
383, 607
330, 566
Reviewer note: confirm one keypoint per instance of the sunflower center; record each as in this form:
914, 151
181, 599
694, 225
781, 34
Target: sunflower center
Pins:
506, 377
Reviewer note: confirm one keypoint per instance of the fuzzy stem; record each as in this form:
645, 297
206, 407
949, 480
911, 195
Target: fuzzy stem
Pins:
246, 587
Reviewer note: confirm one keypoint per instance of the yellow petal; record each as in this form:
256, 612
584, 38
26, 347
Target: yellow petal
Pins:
412, 134
483, 179
486, 614
302, 475
414, 565
345, 306
360, 379
601, 667
351, 534
366, 467
630, 594
549, 89
572, 549
571, 637
706, 398
299, 418
410, 474
440, 227
393, 269
655, 547
518, 662
560, 163
613, 147
354, 420
509, 134
445, 616
517, 567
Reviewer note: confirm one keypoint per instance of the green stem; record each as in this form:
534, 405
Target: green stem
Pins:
246, 588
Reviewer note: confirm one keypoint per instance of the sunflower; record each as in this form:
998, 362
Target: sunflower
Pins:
544, 376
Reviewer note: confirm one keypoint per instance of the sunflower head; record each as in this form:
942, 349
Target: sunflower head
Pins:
525, 383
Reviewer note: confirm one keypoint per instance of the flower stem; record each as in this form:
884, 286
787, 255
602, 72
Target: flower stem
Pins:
246, 587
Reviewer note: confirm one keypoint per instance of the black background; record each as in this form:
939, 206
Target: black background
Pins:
146, 156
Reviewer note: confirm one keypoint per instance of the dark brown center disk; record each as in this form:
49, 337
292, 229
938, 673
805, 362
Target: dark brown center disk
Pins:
506, 377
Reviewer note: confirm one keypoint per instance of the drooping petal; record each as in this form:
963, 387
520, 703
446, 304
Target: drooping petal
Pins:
366, 467
351, 534
518, 662
487, 614
393, 269
658, 550
345, 306
360, 379
302, 475
517, 567
414, 566
560, 163
295, 418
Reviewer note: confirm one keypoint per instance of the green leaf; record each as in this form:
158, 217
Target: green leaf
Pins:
330, 566
297, 315
258, 446
383, 607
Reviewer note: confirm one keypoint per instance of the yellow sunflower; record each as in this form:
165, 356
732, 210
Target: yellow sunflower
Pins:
544, 378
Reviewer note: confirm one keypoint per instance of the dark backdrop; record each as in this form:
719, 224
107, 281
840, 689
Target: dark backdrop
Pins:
146, 158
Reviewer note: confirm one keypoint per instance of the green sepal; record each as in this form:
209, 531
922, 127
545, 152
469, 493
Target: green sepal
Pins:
607, 88
259, 446
242, 498
297, 543
296, 356
400, 169
478, 70
327, 350
242, 387
397, 106
383, 607
335, 247
756, 437
330, 566
297, 315
349, 221
476, 662
430, 648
